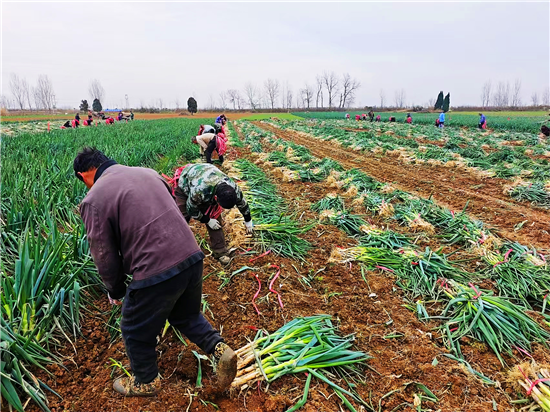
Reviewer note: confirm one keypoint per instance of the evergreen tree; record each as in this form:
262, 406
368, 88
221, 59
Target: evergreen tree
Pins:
192, 105
96, 105
439, 102
84, 106
447, 103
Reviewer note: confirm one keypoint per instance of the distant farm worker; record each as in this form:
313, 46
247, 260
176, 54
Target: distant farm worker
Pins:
202, 192
544, 129
119, 117
357, 117
409, 119
109, 120
76, 121
131, 222
221, 119
90, 119
363, 116
392, 119
378, 118
347, 116
209, 142
206, 128
482, 121
131, 115
67, 124
371, 115
441, 120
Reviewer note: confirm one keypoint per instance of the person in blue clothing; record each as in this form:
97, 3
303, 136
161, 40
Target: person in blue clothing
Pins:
441, 119
482, 121
221, 120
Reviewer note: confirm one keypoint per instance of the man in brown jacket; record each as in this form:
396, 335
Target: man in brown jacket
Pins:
134, 227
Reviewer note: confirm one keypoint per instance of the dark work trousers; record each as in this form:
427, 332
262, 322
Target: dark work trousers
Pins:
210, 149
145, 311
216, 238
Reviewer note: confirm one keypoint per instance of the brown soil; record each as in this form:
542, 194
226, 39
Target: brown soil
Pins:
373, 311
450, 187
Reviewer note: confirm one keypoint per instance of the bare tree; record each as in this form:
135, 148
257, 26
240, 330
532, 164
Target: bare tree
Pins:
17, 89
96, 90
223, 100
331, 84
177, 104
431, 102
272, 91
307, 95
400, 98
516, 96
501, 96
382, 98
234, 98
535, 99
319, 94
289, 96
485, 94
251, 92
44, 95
546, 96
350, 86
160, 103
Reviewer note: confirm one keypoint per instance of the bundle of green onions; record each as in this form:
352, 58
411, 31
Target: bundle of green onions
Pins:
375, 237
420, 272
349, 223
330, 201
494, 320
521, 275
274, 229
534, 193
536, 382
310, 345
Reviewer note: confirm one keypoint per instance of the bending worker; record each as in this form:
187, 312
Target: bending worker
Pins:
202, 193
131, 222
209, 142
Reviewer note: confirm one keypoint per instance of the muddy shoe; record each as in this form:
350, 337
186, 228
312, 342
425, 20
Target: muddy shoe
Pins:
128, 386
224, 260
226, 368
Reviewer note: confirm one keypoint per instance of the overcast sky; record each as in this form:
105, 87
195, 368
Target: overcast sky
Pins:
170, 51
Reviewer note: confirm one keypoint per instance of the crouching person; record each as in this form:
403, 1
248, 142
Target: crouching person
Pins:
202, 192
132, 221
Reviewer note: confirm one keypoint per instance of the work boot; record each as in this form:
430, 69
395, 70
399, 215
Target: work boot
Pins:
224, 260
226, 368
129, 386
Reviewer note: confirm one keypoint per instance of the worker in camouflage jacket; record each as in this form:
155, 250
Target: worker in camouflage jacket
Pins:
202, 192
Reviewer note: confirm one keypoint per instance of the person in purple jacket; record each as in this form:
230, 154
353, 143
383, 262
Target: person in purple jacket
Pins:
135, 228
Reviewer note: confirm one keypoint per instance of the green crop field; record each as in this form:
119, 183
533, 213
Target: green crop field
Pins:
434, 238
498, 121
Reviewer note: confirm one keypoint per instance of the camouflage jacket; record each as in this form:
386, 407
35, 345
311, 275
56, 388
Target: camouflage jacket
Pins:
198, 183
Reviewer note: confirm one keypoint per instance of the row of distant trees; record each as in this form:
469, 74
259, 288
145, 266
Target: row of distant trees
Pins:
506, 95
329, 90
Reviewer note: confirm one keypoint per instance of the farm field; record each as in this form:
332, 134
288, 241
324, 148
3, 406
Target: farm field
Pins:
141, 116
521, 122
400, 234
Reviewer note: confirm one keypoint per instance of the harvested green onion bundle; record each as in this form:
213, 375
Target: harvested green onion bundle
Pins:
536, 382
309, 345
375, 237
494, 320
534, 193
521, 275
330, 201
273, 229
349, 223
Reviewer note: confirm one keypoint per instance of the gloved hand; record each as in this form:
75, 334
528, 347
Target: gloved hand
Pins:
249, 227
114, 301
214, 224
